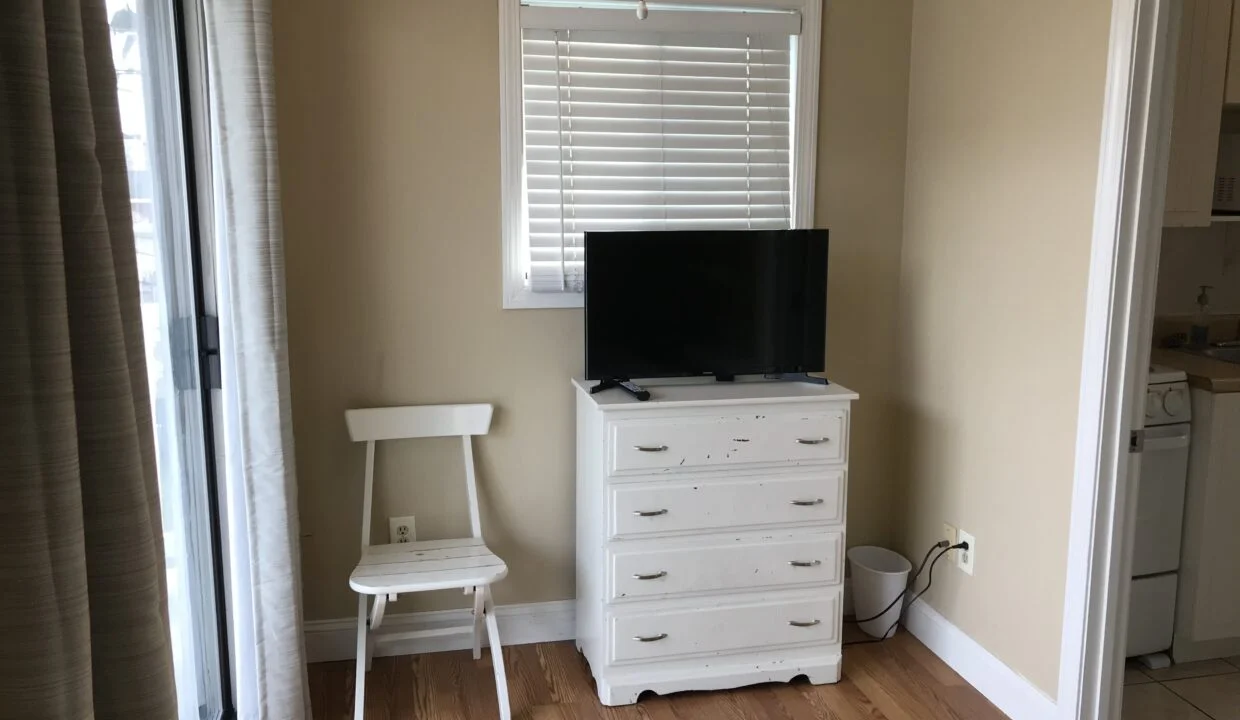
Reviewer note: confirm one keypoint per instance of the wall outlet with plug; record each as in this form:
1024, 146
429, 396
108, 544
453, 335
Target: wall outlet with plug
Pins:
401, 529
965, 558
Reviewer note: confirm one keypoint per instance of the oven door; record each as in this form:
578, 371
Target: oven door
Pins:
1160, 500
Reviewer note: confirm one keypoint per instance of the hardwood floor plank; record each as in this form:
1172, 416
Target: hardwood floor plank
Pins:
898, 679
658, 708
915, 689
380, 686
566, 673
792, 704
724, 705
929, 662
869, 678
843, 700
904, 671
404, 691
527, 687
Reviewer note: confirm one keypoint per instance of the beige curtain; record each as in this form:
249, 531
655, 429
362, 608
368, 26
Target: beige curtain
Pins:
83, 619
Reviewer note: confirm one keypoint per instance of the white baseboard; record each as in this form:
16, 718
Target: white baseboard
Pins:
1018, 698
328, 640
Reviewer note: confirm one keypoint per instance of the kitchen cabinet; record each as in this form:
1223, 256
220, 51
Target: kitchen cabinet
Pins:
1201, 75
1231, 93
1207, 612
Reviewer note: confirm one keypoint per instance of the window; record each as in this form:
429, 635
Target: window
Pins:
148, 52
697, 117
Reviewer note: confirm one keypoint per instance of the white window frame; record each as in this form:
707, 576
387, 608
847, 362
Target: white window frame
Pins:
512, 137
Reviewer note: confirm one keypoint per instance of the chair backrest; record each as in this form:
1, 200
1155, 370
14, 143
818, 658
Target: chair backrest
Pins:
370, 425
418, 421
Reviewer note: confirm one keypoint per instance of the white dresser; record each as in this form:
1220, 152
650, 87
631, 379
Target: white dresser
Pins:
710, 535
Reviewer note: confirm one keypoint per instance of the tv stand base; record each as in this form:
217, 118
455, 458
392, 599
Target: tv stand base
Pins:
799, 377
635, 390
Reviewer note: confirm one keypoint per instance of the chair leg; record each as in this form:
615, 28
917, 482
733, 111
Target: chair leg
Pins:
479, 622
363, 662
497, 657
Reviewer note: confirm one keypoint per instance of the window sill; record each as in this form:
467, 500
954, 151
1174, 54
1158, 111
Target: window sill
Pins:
524, 299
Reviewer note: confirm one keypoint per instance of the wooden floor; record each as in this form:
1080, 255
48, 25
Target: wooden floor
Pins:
898, 679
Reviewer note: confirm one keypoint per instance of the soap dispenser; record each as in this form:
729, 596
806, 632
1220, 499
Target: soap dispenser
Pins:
1199, 333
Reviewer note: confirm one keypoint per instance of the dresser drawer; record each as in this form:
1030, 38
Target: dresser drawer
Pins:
726, 440
649, 635
710, 504
722, 565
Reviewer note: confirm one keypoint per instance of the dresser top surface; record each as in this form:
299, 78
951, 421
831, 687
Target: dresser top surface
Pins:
680, 393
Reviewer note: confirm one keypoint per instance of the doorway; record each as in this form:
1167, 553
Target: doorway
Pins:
1137, 196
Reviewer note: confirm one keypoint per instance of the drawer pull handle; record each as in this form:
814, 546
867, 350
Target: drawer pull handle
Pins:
803, 623
650, 576
654, 638
804, 563
813, 441
649, 513
803, 503
650, 448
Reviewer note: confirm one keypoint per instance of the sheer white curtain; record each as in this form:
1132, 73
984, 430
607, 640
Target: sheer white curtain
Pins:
260, 483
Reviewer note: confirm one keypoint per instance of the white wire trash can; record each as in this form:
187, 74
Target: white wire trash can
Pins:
879, 576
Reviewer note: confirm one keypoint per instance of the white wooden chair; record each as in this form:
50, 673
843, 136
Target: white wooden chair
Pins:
385, 571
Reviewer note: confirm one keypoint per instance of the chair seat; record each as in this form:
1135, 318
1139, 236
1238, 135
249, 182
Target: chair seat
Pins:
428, 565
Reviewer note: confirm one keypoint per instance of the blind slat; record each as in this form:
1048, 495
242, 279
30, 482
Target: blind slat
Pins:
650, 131
577, 63
686, 223
622, 111
659, 125
734, 51
671, 170
584, 155
547, 78
730, 198
737, 141
658, 183
628, 96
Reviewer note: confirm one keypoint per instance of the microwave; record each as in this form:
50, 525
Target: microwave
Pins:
1227, 175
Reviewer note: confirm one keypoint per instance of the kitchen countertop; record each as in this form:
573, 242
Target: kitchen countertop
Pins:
1203, 372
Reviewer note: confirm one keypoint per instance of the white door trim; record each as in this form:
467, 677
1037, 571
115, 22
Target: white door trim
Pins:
1127, 232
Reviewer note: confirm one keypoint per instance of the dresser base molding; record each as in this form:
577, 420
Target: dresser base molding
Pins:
623, 687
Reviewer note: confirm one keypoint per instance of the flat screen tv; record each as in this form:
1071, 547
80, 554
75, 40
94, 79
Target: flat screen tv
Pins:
724, 303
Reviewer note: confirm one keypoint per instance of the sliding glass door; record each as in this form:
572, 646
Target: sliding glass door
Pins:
148, 43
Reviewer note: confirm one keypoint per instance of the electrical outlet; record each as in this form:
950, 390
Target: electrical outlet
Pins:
401, 529
949, 534
965, 558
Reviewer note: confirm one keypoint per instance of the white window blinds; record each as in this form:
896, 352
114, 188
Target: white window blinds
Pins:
650, 131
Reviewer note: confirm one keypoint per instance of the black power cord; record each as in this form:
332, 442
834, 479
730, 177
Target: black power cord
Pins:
929, 581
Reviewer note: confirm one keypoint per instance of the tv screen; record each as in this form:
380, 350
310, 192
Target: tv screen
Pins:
676, 303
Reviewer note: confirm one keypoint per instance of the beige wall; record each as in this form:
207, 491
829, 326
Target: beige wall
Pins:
389, 154
1004, 126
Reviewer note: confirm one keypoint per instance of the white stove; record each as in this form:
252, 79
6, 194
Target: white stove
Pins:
1166, 400
1160, 515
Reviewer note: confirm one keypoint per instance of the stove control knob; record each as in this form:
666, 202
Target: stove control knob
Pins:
1151, 404
1174, 402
